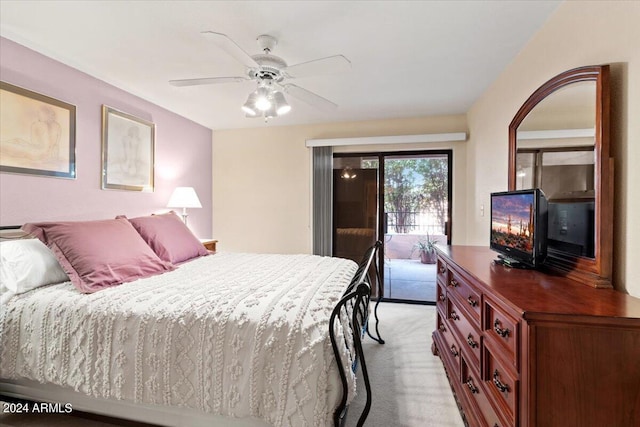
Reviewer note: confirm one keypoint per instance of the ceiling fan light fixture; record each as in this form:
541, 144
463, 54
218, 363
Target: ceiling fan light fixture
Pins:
271, 112
249, 111
262, 100
263, 104
282, 106
249, 106
347, 173
269, 72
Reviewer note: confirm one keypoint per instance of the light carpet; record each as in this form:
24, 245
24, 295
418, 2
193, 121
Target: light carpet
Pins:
410, 388
409, 385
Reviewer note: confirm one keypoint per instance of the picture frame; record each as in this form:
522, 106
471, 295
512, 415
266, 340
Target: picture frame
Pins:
128, 151
38, 133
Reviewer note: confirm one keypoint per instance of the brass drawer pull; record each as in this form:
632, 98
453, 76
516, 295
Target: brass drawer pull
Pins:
453, 283
471, 386
471, 342
454, 315
502, 332
472, 302
442, 329
442, 269
441, 297
496, 380
454, 351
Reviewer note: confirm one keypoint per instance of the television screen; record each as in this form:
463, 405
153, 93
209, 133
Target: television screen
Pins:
518, 225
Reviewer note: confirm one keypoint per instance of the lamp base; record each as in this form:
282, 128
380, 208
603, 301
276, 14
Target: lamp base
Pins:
184, 215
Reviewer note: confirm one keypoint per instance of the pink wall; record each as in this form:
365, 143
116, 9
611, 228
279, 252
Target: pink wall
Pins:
183, 151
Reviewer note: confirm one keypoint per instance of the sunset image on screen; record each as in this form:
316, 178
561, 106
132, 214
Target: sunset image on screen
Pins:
512, 221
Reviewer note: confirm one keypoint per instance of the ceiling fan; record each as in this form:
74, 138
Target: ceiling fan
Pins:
271, 73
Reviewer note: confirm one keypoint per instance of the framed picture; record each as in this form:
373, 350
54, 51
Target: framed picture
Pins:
38, 133
128, 145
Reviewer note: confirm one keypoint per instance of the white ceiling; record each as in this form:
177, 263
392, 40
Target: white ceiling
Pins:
409, 58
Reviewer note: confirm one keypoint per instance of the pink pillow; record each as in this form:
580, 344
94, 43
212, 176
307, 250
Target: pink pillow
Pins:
99, 254
169, 237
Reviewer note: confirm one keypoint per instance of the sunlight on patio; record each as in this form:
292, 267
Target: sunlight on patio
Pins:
405, 277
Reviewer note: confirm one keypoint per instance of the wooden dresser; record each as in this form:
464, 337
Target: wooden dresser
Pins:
523, 348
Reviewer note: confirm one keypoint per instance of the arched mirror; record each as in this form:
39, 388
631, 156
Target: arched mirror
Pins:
559, 142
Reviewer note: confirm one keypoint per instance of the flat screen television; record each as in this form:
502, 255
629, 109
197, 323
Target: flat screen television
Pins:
519, 227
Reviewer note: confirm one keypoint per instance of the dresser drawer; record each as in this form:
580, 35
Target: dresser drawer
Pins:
501, 383
452, 350
503, 329
466, 329
441, 296
475, 392
442, 271
461, 287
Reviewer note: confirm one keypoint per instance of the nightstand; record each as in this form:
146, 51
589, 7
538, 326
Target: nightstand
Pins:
210, 244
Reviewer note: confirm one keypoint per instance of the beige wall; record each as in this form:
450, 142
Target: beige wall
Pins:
262, 179
577, 34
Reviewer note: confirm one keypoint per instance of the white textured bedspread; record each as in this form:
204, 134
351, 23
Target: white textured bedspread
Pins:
241, 335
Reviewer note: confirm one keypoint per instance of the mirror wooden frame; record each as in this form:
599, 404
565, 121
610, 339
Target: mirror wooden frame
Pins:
595, 271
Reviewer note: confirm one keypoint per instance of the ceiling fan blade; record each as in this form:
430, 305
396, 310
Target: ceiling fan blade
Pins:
329, 65
231, 48
309, 97
207, 81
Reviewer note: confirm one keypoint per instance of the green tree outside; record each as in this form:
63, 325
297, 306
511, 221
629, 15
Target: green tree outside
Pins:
413, 186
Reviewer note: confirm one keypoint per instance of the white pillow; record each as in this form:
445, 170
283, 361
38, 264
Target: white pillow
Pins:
27, 264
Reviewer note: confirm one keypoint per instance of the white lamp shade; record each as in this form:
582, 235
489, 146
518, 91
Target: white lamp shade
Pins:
249, 107
271, 112
184, 197
282, 106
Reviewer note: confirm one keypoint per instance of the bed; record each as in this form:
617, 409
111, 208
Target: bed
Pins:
225, 339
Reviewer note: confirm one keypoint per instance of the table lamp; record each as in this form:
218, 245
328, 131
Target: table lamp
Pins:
184, 197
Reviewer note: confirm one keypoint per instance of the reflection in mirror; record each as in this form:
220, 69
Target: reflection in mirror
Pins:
559, 142
555, 152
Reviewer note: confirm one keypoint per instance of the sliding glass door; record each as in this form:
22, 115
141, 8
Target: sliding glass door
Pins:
402, 199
